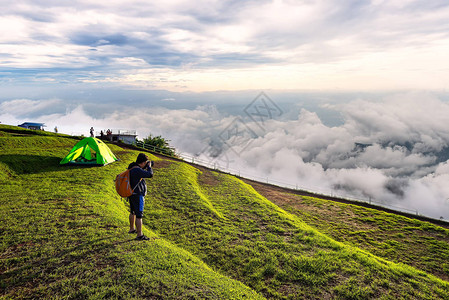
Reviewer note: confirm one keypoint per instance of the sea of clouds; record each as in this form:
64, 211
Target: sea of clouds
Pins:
393, 150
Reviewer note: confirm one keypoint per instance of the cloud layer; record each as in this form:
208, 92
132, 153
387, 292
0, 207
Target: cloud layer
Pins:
393, 150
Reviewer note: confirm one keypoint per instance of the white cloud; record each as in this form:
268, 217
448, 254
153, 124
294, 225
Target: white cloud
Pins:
216, 45
24, 107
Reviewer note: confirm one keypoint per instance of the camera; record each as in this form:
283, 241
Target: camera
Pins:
150, 163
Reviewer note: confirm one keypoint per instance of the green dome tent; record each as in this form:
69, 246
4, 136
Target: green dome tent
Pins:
90, 151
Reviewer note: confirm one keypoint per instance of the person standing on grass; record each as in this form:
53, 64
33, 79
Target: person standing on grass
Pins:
139, 169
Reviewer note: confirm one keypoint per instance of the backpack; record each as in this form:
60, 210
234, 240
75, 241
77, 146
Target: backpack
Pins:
123, 184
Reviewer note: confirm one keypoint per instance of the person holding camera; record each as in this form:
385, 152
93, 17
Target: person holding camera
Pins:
139, 170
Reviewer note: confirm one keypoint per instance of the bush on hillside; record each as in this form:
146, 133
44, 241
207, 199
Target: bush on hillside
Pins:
161, 143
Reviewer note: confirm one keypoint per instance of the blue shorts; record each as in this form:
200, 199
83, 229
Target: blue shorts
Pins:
136, 205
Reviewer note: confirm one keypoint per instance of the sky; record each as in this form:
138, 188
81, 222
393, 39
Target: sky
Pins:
226, 45
348, 97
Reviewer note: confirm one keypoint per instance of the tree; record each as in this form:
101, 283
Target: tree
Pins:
160, 143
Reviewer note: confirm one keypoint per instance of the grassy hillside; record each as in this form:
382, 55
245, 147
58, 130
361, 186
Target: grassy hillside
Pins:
395, 238
64, 235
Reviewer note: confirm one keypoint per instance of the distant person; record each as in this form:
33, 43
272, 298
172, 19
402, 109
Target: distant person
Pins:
139, 169
109, 134
101, 134
56, 129
92, 132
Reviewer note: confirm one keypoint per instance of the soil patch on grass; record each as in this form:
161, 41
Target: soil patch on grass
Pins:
208, 177
160, 164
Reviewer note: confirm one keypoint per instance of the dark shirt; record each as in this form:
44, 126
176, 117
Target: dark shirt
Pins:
136, 174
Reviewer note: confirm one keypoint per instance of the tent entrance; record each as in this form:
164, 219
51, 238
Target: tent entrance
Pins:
88, 156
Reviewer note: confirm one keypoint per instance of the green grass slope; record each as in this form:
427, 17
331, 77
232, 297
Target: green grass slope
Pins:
396, 238
64, 235
272, 251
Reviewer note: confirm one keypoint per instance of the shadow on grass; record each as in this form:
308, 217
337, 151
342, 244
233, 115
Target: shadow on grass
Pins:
33, 164
66, 261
